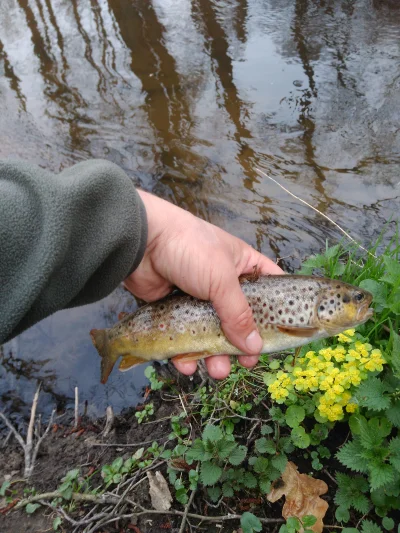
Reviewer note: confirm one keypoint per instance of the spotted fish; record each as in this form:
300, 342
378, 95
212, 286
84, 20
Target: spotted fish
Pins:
289, 311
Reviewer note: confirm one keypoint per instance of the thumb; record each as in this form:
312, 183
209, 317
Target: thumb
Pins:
236, 315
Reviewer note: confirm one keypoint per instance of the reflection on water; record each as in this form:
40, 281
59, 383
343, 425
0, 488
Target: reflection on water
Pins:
188, 97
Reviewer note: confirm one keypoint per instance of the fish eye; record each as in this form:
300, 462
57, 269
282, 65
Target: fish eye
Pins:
359, 297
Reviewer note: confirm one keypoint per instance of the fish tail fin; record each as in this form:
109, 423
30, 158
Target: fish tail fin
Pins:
108, 356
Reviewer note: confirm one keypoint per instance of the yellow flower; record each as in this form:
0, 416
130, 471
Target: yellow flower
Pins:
344, 338
351, 407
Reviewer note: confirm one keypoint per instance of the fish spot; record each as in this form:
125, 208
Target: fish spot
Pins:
162, 307
261, 320
338, 286
277, 292
338, 295
332, 301
321, 308
346, 299
264, 304
283, 320
291, 302
187, 311
171, 338
280, 312
266, 315
204, 328
272, 318
294, 287
271, 308
331, 312
310, 288
287, 310
163, 327
290, 320
301, 319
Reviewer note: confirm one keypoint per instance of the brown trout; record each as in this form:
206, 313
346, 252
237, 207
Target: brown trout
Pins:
289, 311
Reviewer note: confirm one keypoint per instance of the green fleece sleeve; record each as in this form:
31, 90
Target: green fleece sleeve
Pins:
65, 240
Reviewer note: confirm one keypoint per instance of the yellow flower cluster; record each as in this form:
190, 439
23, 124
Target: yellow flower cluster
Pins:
331, 373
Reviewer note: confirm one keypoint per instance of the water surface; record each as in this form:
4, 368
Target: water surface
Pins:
188, 97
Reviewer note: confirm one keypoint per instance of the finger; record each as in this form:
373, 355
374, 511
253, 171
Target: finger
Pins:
218, 366
248, 361
187, 368
263, 264
235, 313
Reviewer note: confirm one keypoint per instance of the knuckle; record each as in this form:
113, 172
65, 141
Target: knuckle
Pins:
244, 320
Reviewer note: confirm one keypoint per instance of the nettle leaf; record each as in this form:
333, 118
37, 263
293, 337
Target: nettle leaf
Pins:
250, 523
212, 433
350, 492
370, 527
264, 483
294, 415
197, 452
210, 473
350, 530
264, 445
227, 490
249, 481
378, 290
224, 448
31, 507
214, 493
360, 503
395, 355
393, 413
374, 431
380, 474
266, 430
392, 273
351, 455
260, 465
279, 462
371, 394
394, 446
237, 455
300, 437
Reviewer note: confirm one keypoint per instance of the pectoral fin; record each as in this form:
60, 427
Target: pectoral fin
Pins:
128, 361
298, 331
192, 356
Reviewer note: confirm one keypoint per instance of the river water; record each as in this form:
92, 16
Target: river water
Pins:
189, 97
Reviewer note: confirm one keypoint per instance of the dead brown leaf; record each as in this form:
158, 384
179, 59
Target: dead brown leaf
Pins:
161, 498
302, 494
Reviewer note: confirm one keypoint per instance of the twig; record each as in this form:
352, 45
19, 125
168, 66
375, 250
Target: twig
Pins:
330, 476
76, 408
317, 211
185, 514
30, 451
108, 498
129, 445
109, 421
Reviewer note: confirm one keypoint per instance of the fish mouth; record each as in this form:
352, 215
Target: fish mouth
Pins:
365, 313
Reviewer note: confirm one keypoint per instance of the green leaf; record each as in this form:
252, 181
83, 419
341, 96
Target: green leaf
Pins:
274, 364
214, 493
227, 490
117, 464
266, 430
225, 447
264, 445
210, 473
350, 530
238, 455
392, 273
380, 474
197, 452
370, 527
57, 522
395, 351
181, 495
31, 507
277, 415
351, 455
279, 462
212, 433
260, 465
371, 394
264, 483
300, 438
378, 290
249, 481
342, 514
393, 414
294, 415
388, 523
309, 520
293, 524
72, 475
250, 523
374, 431
394, 446
4, 487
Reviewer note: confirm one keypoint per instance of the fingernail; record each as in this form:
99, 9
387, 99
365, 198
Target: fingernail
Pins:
254, 342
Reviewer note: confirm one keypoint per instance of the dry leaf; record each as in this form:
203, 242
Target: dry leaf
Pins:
160, 494
302, 494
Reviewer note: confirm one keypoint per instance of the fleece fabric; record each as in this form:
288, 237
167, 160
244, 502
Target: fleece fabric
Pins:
65, 240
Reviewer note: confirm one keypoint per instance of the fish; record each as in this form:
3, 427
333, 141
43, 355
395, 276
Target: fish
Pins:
289, 311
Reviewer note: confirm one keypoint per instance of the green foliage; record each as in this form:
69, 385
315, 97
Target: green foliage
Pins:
250, 523
31, 507
151, 375
145, 413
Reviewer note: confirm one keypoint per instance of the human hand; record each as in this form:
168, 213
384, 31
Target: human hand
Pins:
203, 261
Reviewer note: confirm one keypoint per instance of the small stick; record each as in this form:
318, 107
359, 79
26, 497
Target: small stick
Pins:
184, 517
317, 211
29, 436
76, 408
109, 421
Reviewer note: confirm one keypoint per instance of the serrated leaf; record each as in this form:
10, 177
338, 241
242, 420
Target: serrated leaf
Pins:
394, 446
260, 465
250, 523
294, 415
237, 455
266, 430
395, 351
371, 394
350, 530
264, 483
373, 432
380, 475
224, 448
279, 462
249, 481
212, 433
392, 271
393, 414
214, 493
197, 452
370, 527
351, 455
227, 490
210, 473
277, 415
360, 503
378, 290
264, 445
